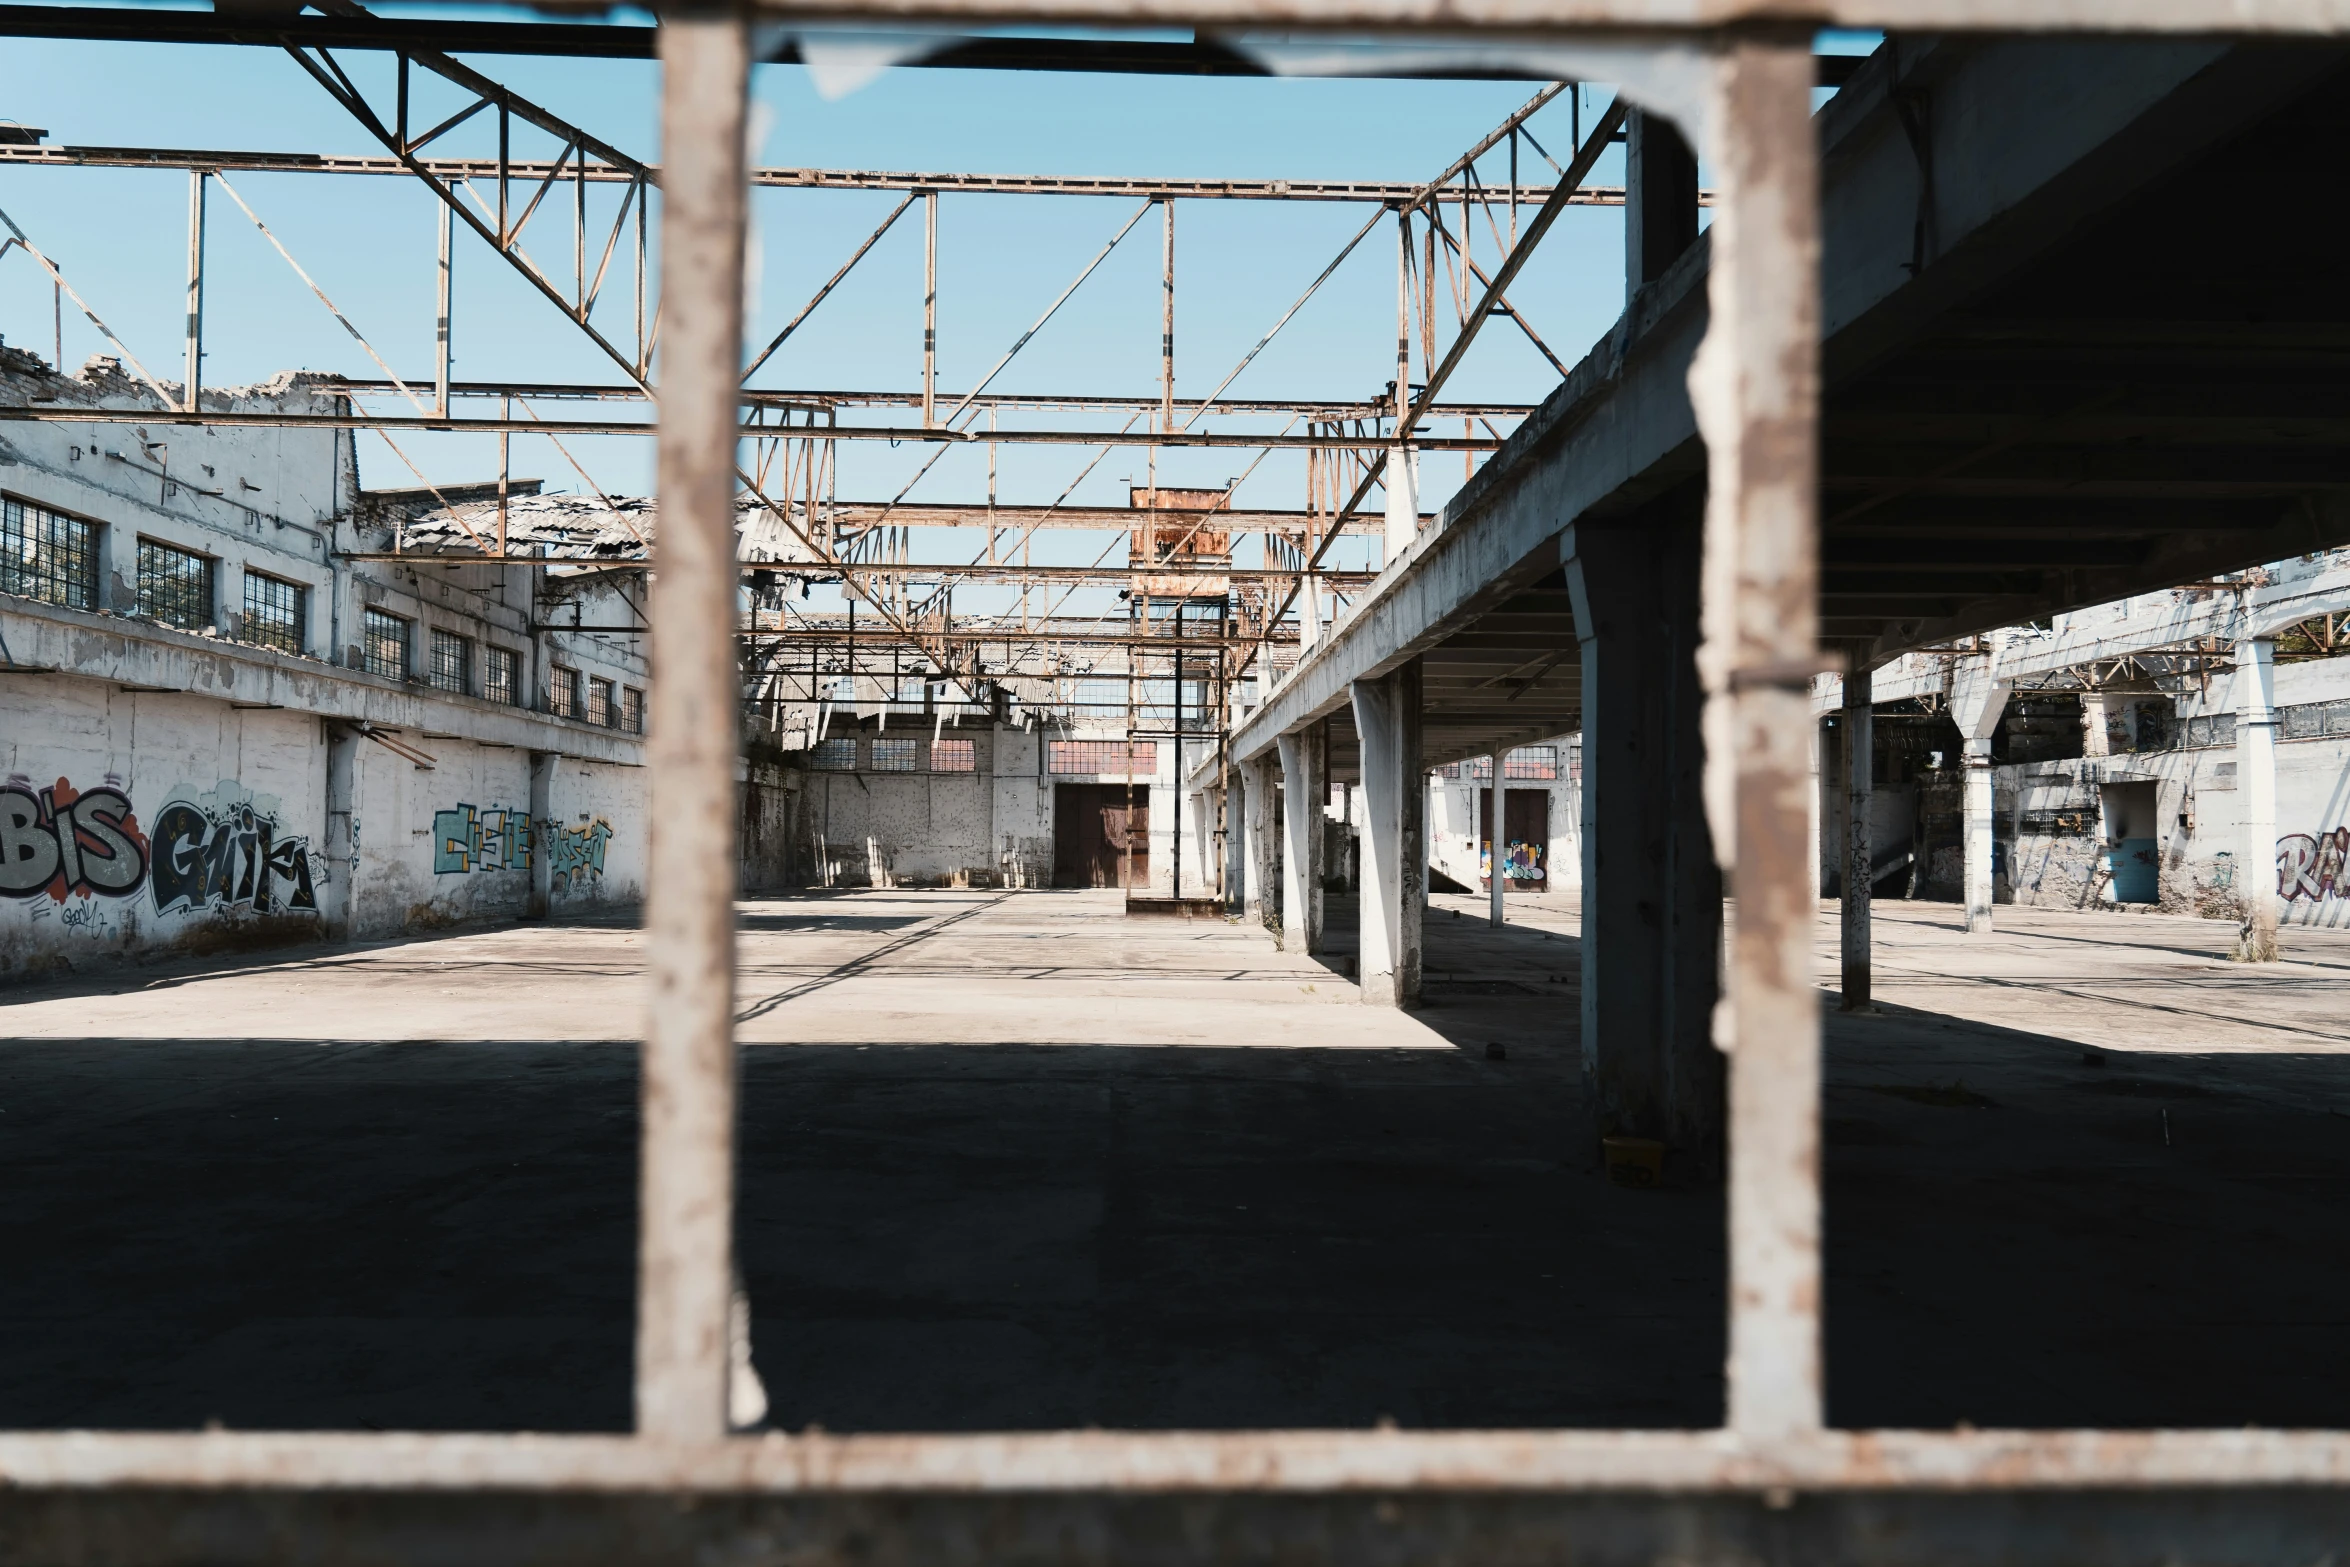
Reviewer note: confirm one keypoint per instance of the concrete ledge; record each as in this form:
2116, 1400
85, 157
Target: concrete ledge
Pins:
47, 642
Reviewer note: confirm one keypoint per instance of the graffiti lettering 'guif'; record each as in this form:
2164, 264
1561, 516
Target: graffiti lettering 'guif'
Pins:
226, 849
67, 842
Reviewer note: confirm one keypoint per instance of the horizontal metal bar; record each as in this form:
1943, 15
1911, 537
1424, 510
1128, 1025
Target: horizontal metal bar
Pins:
58, 413
918, 571
1131, 187
1182, 1461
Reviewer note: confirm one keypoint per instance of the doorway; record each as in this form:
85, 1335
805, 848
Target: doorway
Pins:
1525, 821
2133, 848
1091, 830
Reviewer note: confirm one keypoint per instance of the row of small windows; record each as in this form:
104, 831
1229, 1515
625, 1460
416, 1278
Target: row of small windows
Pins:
1532, 763
894, 755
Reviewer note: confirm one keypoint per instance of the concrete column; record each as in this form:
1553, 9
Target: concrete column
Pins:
537, 903
2095, 740
1261, 862
1499, 835
2256, 793
1859, 844
1977, 699
1395, 853
338, 894
1305, 788
1660, 199
1652, 890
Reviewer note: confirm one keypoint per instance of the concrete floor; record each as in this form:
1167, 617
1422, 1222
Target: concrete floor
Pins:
1011, 1160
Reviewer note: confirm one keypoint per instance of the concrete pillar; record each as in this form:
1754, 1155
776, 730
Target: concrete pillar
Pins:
542, 830
1261, 862
2094, 736
1652, 891
1859, 843
1977, 699
337, 889
2256, 793
1403, 500
1395, 850
1660, 199
1305, 787
1499, 836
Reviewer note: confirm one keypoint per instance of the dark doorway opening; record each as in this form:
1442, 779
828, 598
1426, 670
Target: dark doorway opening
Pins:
1525, 846
1091, 830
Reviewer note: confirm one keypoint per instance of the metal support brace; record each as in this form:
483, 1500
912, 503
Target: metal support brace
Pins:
1756, 389
686, 1212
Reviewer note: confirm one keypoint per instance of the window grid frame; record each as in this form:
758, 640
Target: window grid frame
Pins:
896, 754
449, 662
824, 756
376, 632
602, 710
954, 756
276, 613
501, 676
176, 586
48, 556
565, 694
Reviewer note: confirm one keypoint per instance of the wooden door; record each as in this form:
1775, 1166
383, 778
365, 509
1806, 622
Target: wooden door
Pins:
1090, 829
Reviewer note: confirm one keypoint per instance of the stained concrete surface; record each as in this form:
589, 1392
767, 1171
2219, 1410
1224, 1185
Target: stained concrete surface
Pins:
1010, 1160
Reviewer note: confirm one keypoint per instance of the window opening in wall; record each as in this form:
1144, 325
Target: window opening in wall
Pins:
834, 756
48, 556
1138, 758
276, 612
953, 756
601, 709
563, 698
632, 710
1474, 767
384, 650
500, 679
451, 668
175, 585
897, 756
1531, 762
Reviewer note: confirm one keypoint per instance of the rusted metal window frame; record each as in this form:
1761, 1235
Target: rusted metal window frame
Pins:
1756, 391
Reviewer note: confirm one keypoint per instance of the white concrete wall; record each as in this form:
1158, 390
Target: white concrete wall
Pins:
202, 827
988, 828
2052, 864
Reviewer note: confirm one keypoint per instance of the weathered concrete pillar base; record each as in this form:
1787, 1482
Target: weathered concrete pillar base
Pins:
339, 903
1261, 861
1305, 786
2256, 795
1395, 852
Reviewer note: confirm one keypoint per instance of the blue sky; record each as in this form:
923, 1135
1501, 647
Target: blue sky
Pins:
120, 237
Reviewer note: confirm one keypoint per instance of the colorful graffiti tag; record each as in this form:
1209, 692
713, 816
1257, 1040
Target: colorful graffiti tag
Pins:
574, 850
228, 848
465, 840
2314, 868
67, 842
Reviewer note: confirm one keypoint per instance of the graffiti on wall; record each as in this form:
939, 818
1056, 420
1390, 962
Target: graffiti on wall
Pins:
465, 840
572, 851
67, 842
228, 848
2314, 868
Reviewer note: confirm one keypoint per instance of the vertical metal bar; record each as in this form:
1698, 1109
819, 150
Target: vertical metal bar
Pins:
505, 467
1755, 387
1859, 836
1167, 321
505, 144
929, 308
400, 133
195, 379
644, 202
1513, 193
686, 1210
1175, 815
440, 375
579, 299
1403, 316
